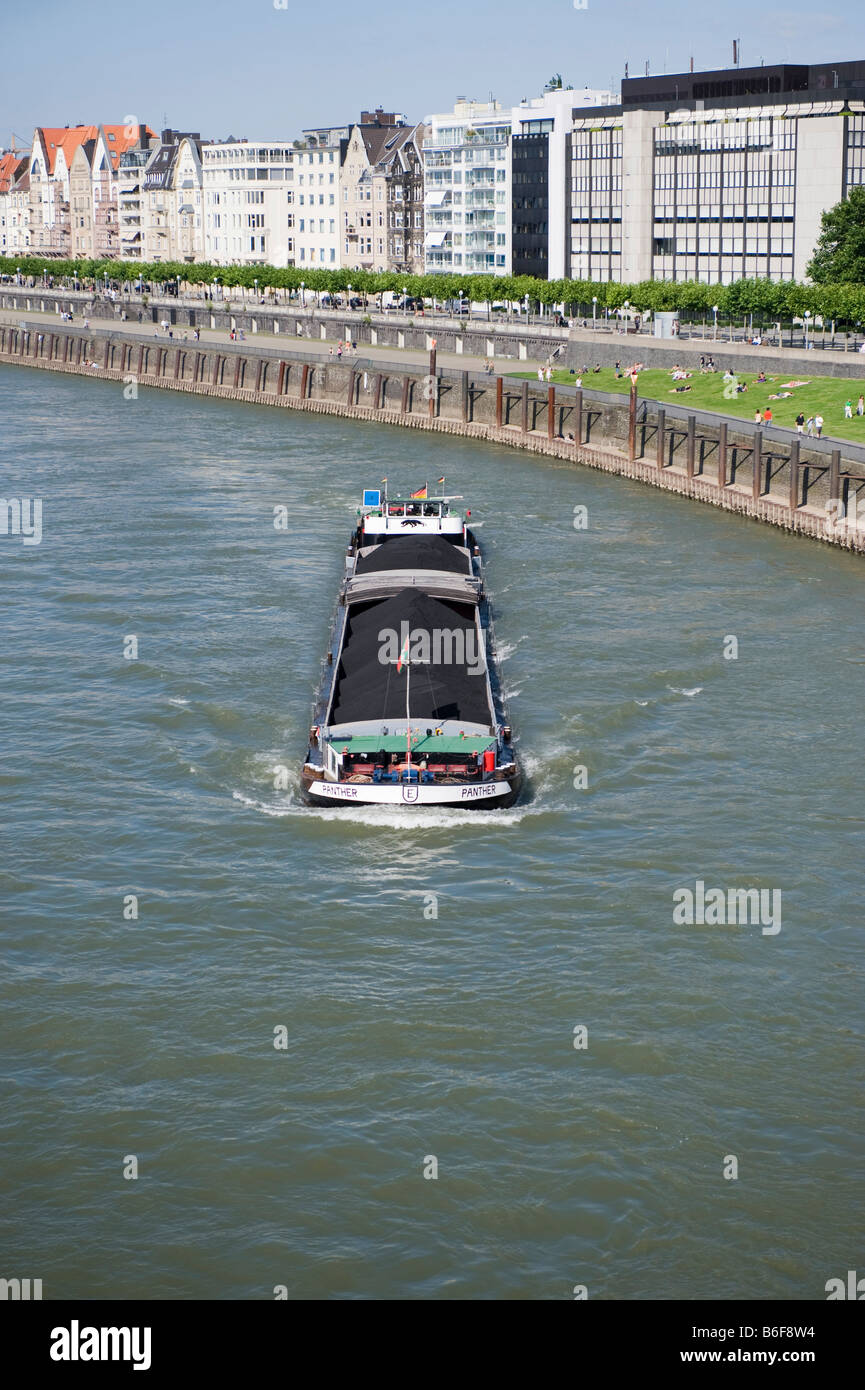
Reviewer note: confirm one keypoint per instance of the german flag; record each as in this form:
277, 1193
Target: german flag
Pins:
421, 492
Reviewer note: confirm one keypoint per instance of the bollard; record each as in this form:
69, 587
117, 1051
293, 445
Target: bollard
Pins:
794, 475
757, 477
834, 478
691, 448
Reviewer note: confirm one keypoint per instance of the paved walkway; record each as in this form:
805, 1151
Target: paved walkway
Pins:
291, 342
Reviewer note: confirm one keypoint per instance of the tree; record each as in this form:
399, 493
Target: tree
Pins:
839, 258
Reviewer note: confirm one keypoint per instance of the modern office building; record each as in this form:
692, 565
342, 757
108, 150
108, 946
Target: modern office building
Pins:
540, 175
467, 190
713, 176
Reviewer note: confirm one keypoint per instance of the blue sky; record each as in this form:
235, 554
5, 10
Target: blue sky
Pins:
245, 67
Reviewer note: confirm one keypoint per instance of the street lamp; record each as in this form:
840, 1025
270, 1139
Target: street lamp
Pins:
715, 312
526, 303
404, 296
255, 283
349, 296
302, 295
461, 303
807, 316
594, 311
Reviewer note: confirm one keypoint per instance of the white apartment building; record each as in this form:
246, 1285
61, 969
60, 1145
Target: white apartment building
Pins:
467, 190
249, 202
317, 232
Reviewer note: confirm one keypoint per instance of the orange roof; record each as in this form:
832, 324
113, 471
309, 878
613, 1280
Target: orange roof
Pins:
69, 138
8, 167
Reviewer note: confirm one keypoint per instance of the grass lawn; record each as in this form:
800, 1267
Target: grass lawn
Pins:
823, 395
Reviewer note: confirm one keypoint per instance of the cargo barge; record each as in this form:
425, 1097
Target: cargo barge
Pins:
410, 709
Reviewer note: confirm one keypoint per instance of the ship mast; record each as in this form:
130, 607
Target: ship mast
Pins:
407, 722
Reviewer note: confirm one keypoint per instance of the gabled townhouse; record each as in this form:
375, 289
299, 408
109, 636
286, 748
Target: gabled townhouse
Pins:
399, 173
14, 233
93, 230
170, 201
363, 192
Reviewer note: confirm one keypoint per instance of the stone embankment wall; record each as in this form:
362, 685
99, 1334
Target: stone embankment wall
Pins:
812, 487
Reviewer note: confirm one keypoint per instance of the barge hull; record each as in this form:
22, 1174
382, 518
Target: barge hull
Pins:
483, 795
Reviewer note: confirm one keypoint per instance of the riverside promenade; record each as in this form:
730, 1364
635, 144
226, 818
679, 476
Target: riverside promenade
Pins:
810, 487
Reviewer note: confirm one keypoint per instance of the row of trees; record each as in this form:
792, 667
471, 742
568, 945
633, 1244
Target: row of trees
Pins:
844, 303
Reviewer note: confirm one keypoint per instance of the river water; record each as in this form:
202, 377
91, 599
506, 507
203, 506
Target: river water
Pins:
422, 974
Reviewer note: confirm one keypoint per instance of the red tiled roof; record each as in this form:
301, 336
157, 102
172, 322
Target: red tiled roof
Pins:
119, 138
9, 164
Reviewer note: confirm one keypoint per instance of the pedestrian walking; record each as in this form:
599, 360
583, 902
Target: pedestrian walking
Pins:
848, 410
810, 426
800, 423
540, 373
757, 417
818, 425
860, 408
549, 374
767, 416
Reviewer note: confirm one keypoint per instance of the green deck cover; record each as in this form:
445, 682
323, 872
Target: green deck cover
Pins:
428, 747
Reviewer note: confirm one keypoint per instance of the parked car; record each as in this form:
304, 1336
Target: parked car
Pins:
458, 306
